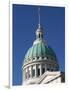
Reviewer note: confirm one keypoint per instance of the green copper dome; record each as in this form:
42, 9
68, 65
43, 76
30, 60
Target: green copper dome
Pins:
39, 47
39, 50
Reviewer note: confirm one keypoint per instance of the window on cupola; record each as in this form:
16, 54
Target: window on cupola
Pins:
39, 35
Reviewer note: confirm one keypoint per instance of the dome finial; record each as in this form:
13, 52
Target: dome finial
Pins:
39, 31
39, 16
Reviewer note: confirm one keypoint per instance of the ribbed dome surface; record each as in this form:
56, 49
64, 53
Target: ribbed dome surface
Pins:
39, 50
39, 47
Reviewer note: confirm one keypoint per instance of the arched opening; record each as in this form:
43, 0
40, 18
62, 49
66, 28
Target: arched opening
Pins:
39, 35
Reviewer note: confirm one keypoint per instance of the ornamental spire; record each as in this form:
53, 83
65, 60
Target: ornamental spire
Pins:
39, 16
39, 31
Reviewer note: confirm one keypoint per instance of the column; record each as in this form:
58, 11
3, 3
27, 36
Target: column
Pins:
27, 72
40, 69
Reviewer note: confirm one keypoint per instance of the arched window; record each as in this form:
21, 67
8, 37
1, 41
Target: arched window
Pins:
39, 35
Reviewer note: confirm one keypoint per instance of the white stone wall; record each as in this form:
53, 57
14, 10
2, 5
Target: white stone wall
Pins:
46, 62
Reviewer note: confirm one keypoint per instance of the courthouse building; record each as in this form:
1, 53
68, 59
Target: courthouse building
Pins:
40, 64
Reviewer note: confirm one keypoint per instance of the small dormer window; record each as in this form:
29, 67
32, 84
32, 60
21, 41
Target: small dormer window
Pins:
42, 57
39, 35
37, 57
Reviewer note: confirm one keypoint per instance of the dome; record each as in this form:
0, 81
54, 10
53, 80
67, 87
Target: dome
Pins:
39, 50
39, 59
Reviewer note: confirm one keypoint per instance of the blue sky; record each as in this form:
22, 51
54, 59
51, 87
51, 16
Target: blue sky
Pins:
25, 23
